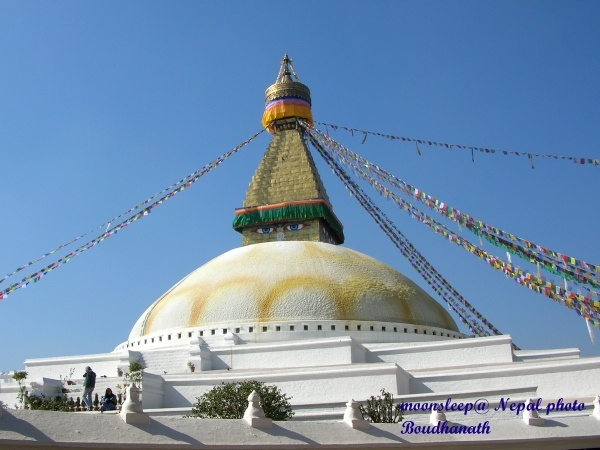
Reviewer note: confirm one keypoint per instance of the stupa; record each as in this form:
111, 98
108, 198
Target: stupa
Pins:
291, 280
294, 307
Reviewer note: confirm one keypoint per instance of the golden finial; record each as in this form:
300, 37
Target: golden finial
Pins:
287, 97
286, 70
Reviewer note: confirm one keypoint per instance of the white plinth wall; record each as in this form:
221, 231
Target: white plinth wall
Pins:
321, 374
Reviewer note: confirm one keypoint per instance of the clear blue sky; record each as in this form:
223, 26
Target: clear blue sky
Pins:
102, 104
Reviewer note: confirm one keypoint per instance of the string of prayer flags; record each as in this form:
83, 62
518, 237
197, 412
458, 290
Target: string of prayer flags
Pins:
591, 307
552, 261
430, 275
437, 227
594, 162
37, 276
107, 224
184, 181
584, 306
441, 229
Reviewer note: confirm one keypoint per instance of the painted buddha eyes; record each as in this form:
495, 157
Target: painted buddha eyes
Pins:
294, 227
289, 227
266, 230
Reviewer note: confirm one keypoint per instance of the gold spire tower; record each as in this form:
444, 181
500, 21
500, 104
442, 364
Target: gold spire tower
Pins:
286, 199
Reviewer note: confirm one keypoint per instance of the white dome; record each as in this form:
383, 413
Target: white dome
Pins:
283, 281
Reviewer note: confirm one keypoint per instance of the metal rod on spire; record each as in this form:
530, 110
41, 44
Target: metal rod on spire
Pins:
286, 68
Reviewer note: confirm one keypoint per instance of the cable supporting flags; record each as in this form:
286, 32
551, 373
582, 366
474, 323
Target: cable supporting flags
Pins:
455, 301
178, 187
554, 262
105, 224
576, 160
584, 306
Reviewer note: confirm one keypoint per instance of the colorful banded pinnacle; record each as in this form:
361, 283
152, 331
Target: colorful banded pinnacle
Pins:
286, 199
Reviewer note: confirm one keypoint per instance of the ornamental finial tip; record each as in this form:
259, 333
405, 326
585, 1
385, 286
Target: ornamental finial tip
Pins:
287, 97
286, 70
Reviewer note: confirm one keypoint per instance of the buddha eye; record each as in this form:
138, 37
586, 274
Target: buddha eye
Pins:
265, 230
294, 227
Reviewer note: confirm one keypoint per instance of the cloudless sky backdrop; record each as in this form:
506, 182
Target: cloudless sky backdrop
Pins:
103, 104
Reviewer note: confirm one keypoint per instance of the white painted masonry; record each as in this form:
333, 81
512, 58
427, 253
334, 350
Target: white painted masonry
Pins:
322, 372
320, 364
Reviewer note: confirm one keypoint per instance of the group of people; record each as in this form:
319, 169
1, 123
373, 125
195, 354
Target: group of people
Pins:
107, 403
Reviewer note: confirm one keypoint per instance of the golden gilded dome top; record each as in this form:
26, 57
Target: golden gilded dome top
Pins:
285, 86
